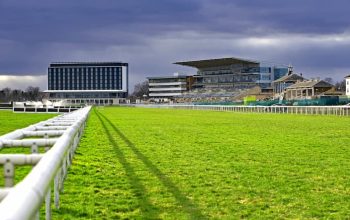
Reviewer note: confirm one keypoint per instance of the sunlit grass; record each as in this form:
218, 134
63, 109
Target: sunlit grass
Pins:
10, 121
182, 164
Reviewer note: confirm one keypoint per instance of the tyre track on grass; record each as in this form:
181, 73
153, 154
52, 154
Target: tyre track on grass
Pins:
187, 205
148, 210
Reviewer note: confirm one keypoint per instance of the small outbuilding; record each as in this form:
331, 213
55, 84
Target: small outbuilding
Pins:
347, 82
307, 89
282, 83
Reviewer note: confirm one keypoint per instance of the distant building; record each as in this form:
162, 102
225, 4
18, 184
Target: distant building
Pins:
167, 88
282, 83
88, 82
234, 73
347, 82
307, 89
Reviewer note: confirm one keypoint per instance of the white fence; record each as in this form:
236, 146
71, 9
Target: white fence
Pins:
306, 110
23, 200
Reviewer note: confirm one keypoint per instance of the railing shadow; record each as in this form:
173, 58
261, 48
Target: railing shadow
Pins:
147, 208
188, 206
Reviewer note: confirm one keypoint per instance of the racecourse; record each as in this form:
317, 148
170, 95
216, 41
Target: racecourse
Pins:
182, 164
186, 164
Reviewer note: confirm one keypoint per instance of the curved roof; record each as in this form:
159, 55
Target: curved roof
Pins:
216, 62
310, 83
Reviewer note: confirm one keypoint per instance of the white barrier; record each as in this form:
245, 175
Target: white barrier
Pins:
23, 201
306, 110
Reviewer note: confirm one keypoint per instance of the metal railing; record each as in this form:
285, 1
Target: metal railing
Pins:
305, 110
23, 200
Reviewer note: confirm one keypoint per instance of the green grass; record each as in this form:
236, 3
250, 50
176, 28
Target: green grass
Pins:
136, 163
10, 121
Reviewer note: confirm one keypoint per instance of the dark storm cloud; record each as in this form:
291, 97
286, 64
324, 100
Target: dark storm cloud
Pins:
296, 16
74, 21
151, 35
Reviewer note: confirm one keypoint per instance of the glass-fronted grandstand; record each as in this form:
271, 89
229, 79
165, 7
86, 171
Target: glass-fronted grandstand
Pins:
234, 73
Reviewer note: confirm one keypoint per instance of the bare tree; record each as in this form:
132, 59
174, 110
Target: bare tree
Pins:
140, 90
17, 95
33, 93
340, 86
329, 80
6, 94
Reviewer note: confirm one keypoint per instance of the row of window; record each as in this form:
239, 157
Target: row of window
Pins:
228, 79
167, 80
87, 95
84, 79
87, 69
61, 85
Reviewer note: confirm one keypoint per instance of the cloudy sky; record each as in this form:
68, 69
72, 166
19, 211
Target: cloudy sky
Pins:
312, 35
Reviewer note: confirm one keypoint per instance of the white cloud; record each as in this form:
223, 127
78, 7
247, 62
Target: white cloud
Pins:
22, 82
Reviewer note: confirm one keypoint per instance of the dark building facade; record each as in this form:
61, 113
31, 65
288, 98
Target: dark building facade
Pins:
88, 82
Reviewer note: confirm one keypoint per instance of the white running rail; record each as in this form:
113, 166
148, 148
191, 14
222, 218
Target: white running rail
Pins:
23, 200
304, 110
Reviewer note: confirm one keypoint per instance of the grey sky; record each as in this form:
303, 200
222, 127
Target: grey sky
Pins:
313, 35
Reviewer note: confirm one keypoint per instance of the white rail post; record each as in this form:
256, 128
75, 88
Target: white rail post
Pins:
48, 204
35, 148
9, 173
47, 147
57, 191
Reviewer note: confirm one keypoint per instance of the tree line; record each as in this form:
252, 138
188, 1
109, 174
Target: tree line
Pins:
140, 92
17, 95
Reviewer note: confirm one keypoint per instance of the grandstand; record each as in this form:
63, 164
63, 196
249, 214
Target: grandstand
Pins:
234, 73
231, 78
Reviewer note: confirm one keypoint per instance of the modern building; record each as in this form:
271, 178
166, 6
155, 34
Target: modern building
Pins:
88, 82
347, 82
234, 73
307, 89
166, 88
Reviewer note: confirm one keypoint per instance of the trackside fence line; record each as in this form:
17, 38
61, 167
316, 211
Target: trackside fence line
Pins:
23, 200
304, 110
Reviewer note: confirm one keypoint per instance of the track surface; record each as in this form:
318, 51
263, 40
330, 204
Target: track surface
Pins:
180, 164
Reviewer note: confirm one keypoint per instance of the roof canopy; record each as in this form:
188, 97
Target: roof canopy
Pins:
216, 62
287, 78
310, 83
168, 77
83, 64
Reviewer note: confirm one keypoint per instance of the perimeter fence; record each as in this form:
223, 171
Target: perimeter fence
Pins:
305, 110
59, 137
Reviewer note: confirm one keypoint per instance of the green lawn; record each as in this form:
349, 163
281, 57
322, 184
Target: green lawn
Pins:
10, 121
182, 164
